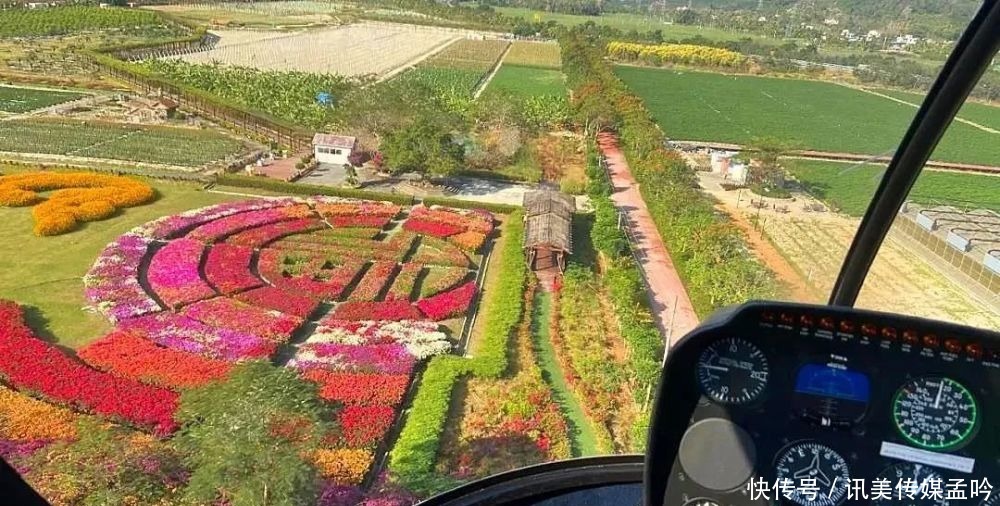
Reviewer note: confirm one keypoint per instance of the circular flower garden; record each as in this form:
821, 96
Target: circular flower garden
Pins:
351, 294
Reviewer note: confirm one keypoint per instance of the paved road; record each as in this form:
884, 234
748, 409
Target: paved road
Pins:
662, 280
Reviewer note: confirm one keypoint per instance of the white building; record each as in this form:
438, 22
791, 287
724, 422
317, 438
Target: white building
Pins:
330, 148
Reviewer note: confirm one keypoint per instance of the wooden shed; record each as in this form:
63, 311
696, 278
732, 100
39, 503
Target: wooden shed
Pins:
548, 217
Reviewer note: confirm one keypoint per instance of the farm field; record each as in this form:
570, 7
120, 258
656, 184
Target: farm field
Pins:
626, 22
117, 141
18, 100
46, 22
458, 69
899, 280
361, 49
534, 54
984, 114
528, 81
809, 114
849, 187
271, 14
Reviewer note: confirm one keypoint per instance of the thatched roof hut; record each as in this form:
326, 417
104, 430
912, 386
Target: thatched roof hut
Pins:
548, 217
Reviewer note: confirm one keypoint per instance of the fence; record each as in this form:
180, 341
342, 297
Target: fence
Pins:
972, 267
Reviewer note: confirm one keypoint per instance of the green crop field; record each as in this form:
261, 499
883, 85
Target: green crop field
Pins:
849, 187
116, 141
19, 100
986, 115
808, 114
527, 81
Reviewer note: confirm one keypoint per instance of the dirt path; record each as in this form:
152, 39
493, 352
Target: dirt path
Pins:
670, 303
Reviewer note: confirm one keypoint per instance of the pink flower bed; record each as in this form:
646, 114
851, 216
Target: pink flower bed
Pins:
475, 220
373, 281
269, 297
393, 310
182, 333
260, 236
32, 365
174, 225
173, 273
112, 284
390, 358
227, 268
241, 317
226, 226
448, 304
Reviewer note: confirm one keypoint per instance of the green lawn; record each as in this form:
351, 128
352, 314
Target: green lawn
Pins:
809, 114
850, 187
45, 273
986, 115
18, 100
626, 22
528, 81
116, 141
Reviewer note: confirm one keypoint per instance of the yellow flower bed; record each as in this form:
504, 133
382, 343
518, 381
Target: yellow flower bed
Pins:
343, 466
677, 53
25, 419
78, 197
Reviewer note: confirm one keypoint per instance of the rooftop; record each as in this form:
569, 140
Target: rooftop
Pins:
334, 141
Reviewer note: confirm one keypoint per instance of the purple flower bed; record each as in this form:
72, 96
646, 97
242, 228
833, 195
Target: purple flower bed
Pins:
112, 283
182, 333
173, 273
15, 451
223, 227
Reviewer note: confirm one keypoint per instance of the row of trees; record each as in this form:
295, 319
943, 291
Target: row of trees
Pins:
710, 252
691, 54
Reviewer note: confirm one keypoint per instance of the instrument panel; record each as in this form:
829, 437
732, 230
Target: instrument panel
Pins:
821, 406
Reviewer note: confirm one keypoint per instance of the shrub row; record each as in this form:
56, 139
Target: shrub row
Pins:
413, 457
262, 183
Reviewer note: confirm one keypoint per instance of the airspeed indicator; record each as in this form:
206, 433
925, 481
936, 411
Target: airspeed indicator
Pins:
935, 413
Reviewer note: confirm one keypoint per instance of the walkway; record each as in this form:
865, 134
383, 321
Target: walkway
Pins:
665, 287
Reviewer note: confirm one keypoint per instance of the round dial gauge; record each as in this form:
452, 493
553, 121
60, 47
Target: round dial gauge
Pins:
908, 484
935, 413
732, 371
812, 461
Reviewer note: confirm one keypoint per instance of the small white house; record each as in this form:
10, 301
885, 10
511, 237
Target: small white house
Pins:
330, 148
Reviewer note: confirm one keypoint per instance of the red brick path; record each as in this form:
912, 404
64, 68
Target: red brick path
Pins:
664, 284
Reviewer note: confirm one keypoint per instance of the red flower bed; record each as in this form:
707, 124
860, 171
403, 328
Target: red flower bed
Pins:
277, 299
349, 221
261, 236
433, 228
359, 389
228, 268
129, 355
373, 281
30, 364
444, 305
217, 229
364, 426
235, 315
394, 310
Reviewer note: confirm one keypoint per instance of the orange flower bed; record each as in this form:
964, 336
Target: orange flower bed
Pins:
469, 241
343, 466
78, 197
23, 418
